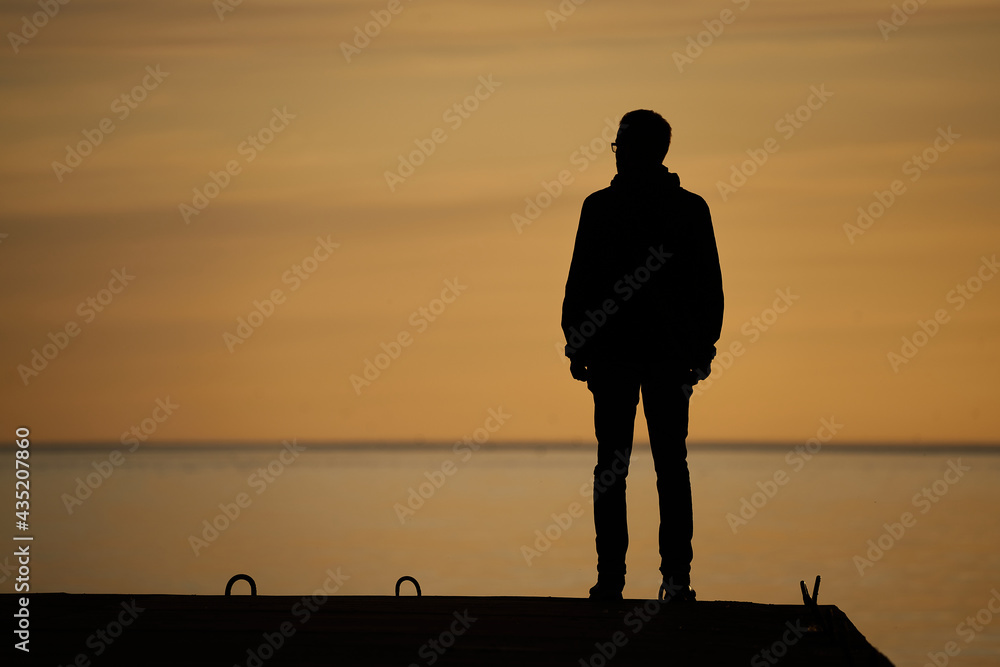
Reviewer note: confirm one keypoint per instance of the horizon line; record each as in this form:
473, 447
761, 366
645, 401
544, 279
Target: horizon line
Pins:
872, 446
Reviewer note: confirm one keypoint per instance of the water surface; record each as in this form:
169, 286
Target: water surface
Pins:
519, 522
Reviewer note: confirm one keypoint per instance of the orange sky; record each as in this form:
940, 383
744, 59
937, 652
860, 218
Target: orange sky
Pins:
326, 131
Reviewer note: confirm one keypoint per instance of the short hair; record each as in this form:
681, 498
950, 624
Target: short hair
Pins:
647, 131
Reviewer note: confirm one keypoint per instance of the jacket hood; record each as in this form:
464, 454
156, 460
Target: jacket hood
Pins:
659, 178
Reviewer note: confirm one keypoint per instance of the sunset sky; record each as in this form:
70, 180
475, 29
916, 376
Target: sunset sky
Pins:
286, 122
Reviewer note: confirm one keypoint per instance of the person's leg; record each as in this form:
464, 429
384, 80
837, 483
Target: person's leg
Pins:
666, 408
616, 395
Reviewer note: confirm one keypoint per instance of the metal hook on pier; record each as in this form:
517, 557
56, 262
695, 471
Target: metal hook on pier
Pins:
244, 577
831, 630
806, 600
400, 581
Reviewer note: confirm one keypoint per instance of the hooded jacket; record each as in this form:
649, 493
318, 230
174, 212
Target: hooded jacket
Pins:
644, 285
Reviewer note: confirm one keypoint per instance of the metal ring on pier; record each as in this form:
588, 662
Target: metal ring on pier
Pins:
407, 578
244, 577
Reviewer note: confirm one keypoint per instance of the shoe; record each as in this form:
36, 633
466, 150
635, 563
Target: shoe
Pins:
602, 590
672, 593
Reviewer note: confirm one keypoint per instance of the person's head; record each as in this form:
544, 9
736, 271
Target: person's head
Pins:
642, 142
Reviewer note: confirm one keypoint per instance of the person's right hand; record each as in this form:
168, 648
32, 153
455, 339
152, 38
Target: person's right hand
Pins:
578, 369
701, 366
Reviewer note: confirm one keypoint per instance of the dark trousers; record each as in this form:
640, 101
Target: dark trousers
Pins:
616, 395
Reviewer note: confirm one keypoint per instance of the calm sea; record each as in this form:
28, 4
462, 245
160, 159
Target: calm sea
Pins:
906, 540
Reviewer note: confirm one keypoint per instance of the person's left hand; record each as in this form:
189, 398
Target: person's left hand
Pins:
701, 367
696, 375
578, 369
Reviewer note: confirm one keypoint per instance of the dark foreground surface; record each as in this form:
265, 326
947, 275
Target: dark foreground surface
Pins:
262, 631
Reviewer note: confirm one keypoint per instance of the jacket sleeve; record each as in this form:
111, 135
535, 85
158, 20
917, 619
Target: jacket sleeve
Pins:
579, 284
707, 302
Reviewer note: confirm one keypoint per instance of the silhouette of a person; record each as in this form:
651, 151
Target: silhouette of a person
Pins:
643, 311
